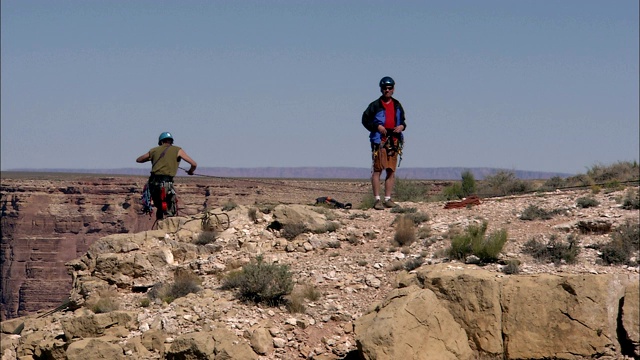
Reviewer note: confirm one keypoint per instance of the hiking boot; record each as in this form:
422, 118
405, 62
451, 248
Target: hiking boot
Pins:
390, 204
378, 205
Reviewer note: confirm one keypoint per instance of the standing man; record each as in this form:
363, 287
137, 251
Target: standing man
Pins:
165, 159
384, 118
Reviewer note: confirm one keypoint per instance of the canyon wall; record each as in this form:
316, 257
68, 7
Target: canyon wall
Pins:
48, 219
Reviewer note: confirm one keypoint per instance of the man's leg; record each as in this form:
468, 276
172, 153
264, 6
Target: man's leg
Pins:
389, 181
375, 183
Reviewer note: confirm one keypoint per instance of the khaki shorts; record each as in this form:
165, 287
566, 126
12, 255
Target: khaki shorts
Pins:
382, 161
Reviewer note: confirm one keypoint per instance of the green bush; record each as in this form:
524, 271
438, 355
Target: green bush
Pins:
631, 200
533, 212
491, 246
586, 202
230, 205
453, 192
624, 241
468, 183
505, 183
616, 172
554, 183
473, 242
512, 267
261, 282
410, 190
405, 231
554, 250
184, 283
367, 202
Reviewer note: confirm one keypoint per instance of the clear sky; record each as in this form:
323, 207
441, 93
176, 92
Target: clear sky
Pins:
525, 85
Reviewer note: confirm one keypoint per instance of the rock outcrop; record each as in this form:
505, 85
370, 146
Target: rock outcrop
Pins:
513, 317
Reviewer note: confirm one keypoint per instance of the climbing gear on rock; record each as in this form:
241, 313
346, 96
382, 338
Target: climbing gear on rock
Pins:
333, 202
212, 221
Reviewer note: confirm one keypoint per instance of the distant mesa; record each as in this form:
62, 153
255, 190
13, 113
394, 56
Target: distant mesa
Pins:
435, 173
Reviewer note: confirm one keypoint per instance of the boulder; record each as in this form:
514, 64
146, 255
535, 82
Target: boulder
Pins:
411, 324
94, 349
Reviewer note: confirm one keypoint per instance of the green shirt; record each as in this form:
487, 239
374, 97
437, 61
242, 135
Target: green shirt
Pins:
166, 164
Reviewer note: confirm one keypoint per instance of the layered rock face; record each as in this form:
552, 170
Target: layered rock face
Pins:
48, 219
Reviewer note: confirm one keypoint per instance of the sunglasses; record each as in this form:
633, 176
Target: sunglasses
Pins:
388, 88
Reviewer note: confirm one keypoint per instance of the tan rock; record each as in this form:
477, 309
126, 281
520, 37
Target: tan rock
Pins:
411, 324
95, 349
261, 341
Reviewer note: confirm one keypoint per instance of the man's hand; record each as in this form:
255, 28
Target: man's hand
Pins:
398, 129
382, 130
191, 171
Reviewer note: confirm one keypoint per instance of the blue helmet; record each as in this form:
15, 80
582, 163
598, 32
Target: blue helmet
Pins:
163, 136
387, 81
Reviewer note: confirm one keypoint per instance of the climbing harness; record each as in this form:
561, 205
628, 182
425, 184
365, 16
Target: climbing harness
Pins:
392, 144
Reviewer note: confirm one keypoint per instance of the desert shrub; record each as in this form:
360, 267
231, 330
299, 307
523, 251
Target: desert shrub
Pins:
453, 191
468, 183
405, 231
363, 215
295, 301
424, 232
266, 208
367, 202
616, 172
184, 283
311, 293
413, 263
512, 267
586, 202
261, 282
402, 210
252, 213
631, 200
554, 250
418, 217
230, 205
473, 242
291, 230
106, 301
533, 212
490, 247
505, 183
410, 190
554, 183
205, 237
353, 240
625, 240
145, 302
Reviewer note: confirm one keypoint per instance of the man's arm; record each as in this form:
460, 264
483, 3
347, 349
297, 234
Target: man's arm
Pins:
182, 154
144, 158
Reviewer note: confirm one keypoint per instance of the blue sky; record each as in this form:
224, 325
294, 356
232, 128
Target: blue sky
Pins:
526, 85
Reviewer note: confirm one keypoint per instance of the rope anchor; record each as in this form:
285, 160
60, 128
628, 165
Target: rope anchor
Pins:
215, 221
